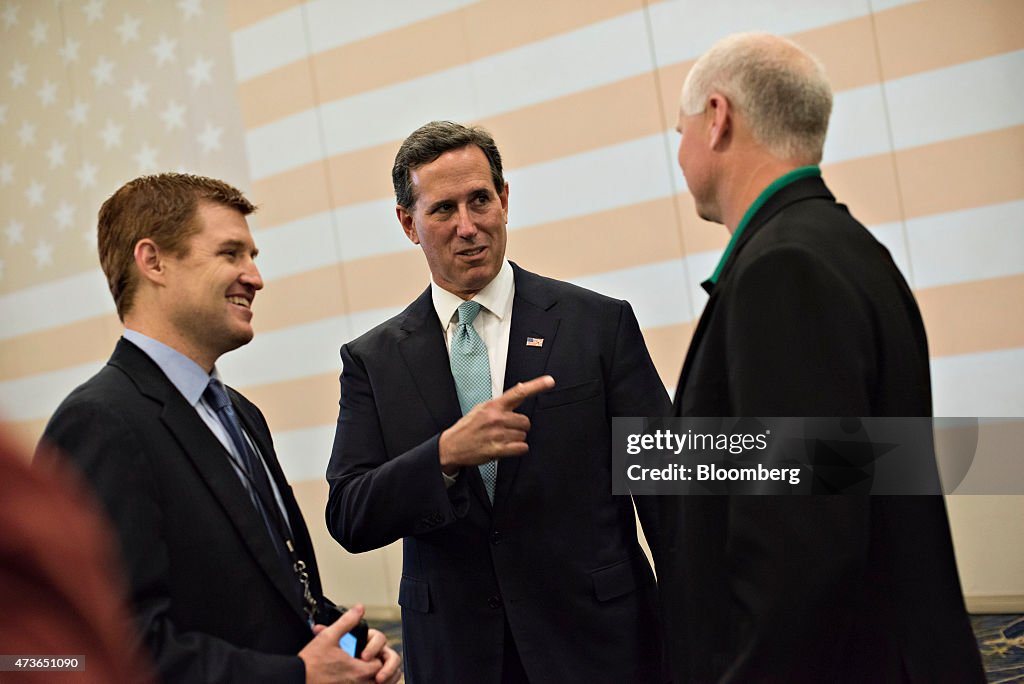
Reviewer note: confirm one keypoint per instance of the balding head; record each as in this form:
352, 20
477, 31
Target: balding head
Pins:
779, 89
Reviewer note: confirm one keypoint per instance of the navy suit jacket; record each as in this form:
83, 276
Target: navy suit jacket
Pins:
811, 317
556, 556
212, 600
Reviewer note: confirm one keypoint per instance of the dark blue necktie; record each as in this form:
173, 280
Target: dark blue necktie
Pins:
256, 475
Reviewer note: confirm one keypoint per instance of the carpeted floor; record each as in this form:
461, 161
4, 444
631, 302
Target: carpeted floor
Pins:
1000, 639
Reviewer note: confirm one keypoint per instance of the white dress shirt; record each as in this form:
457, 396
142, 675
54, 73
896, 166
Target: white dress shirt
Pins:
493, 323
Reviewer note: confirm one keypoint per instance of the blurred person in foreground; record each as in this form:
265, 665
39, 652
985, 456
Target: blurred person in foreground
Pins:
60, 585
807, 316
519, 564
220, 564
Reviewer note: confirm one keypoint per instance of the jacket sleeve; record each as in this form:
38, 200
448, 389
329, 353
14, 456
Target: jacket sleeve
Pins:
377, 498
636, 390
107, 451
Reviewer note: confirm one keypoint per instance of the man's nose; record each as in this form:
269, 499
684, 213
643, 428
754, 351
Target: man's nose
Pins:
466, 227
251, 276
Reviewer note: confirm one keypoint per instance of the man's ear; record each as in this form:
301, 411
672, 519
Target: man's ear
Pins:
405, 217
720, 111
149, 260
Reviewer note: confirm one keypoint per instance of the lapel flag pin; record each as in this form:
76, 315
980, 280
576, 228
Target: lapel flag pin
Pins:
534, 341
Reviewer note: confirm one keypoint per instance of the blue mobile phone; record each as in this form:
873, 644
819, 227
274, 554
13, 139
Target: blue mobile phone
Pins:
354, 642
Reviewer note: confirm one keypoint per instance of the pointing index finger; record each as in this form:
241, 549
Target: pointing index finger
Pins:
516, 395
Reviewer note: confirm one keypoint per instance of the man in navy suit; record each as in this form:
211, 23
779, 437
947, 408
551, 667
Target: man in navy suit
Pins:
219, 562
807, 316
541, 579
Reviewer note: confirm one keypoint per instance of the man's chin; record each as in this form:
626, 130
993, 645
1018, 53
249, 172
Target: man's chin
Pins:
708, 215
478, 278
238, 338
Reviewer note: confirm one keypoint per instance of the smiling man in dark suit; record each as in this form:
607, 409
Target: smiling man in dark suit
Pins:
807, 316
519, 563
218, 558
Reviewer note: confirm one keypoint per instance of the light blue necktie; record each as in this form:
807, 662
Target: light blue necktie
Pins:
472, 373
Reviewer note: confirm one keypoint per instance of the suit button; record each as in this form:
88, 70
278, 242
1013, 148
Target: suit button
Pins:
494, 602
495, 537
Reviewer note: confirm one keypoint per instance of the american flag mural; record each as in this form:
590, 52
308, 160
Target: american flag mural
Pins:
303, 105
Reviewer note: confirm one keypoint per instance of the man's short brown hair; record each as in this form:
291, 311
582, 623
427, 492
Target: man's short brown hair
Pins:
430, 141
163, 208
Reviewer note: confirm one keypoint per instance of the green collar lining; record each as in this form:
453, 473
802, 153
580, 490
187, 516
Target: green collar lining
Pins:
776, 185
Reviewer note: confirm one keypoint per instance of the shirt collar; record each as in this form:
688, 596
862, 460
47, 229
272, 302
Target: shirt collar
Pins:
776, 185
496, 296
184, 373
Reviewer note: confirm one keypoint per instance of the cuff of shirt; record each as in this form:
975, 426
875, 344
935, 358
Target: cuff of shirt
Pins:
449, 480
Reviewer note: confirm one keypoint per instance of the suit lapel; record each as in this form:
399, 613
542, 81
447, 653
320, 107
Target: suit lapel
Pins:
287, 580
532, 317
265, 445
211, 461
258, 431
426, 357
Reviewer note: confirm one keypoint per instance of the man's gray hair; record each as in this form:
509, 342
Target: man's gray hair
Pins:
779, 89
